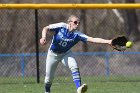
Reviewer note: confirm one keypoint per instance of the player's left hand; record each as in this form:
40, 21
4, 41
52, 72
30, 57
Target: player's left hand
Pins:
119, 43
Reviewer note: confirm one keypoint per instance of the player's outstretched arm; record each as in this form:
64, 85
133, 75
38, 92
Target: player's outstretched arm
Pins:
43, 38
99, 40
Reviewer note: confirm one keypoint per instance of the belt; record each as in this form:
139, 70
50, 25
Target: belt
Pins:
57, 52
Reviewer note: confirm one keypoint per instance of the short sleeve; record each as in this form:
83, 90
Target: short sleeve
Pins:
82, 36
57, 25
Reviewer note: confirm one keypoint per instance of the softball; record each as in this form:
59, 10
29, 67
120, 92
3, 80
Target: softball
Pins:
129, 44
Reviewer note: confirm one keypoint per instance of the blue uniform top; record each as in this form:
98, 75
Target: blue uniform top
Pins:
63, 39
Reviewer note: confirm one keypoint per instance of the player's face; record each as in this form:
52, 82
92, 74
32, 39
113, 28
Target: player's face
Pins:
74, 23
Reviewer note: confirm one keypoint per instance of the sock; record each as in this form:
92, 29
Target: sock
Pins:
76, 78
47, 88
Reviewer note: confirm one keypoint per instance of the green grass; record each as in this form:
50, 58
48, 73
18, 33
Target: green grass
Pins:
65, 85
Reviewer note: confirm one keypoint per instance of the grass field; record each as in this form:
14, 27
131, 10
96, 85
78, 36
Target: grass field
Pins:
65, 85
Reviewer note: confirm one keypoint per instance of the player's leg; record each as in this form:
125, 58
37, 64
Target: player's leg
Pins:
51, 65
70, 62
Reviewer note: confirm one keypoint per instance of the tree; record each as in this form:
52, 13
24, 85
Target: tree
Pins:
132, 23
83, 26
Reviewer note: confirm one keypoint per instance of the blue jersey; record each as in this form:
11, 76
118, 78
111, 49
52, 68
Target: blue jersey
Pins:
63, 39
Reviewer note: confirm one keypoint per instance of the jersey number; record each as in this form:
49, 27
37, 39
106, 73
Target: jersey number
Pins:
63, 43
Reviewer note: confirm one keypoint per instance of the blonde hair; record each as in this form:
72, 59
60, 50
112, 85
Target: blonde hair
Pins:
72, 16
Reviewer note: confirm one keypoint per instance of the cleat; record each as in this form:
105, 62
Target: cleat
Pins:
82, 89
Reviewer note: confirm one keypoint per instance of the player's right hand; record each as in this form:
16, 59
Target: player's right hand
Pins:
43, 41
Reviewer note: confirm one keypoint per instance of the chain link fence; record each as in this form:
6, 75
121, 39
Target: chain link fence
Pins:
18, 46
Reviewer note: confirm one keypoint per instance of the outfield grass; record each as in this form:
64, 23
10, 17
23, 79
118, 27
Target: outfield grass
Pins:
65, 85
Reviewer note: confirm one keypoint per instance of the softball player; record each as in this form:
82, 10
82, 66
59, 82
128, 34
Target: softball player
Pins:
65, 37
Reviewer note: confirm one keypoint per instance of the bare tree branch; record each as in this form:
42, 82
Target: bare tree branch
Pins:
116, 12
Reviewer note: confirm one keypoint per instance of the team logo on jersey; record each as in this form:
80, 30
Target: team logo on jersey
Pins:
60, 34
62, 30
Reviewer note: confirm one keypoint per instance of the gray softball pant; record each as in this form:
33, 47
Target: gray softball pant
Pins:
52, 61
